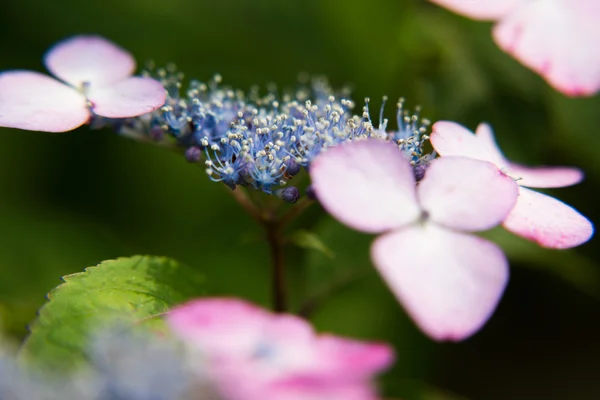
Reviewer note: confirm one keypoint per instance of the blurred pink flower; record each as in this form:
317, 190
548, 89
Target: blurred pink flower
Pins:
255, 354
448, 280
96, 74
556, 38
536, 216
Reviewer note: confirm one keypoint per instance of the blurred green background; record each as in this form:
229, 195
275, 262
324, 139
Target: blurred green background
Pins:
68, 201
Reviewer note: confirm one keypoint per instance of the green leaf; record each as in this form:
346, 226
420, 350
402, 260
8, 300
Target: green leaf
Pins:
125, 290
311, 241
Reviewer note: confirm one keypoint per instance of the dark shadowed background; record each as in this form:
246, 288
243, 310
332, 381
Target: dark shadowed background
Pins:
70, 200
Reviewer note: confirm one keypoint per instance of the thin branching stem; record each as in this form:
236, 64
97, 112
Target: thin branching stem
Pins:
278, 283
273, 227
243, 199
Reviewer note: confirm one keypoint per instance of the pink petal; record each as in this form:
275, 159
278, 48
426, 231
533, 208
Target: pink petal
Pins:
291, 340
466, 194
559, 40
485, 136
366, 184
452, 139
352, 358
247, 383
128, 98
90, 59
548, 221
313, 388
255, 354
221, 326
231, 330
33, 101
479, 9
545, 177
449, 282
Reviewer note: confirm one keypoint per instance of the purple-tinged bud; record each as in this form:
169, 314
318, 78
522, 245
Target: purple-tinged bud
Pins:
310, 193
291, 168
193, 154
419, 170
289, 194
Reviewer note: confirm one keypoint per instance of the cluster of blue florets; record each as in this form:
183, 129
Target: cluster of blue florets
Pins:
262, 141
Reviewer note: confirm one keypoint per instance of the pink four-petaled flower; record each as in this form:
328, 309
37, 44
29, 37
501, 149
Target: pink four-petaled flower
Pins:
96, 73
536, 216
251, 354
556, 38
448, 280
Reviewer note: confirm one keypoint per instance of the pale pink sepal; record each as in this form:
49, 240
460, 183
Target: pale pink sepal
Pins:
548, 221
559, 40
487, 141
367, 185
537, 177
466, 194
90, 59
448, 282
128, 98
33, 101
452, 139
480, 9
545, 177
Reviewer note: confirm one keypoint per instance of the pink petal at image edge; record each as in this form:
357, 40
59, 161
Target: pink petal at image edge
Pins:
558, 39
480, 9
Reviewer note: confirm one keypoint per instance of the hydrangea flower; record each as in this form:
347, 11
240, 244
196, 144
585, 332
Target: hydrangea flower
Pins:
254, 354
556, 38
96, 77
536, 216
252, 140
448, 280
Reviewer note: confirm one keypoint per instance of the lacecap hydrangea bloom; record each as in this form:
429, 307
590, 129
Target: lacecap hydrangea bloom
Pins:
94, 78
251, 353
242, 139
556, 38
448, 280
536, 216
